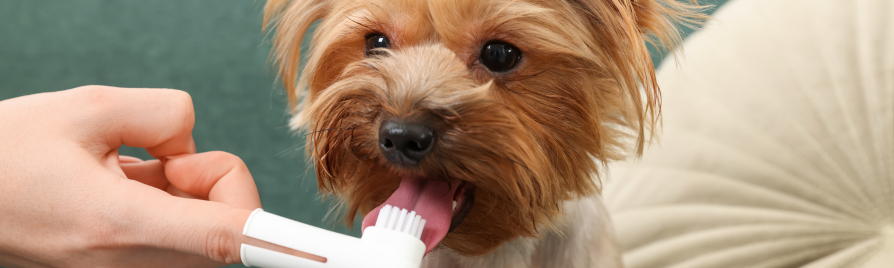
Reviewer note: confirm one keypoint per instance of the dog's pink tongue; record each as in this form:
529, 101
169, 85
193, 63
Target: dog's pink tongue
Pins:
433, 200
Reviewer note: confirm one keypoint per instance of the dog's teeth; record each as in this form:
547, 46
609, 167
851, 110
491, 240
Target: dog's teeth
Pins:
454, 206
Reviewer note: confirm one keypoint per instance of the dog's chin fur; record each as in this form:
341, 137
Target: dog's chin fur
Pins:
531, 139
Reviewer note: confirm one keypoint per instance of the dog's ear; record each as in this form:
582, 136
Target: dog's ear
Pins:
622, 30
290, 20
660, 20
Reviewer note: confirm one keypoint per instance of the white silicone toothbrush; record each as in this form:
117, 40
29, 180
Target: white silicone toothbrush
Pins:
394, 242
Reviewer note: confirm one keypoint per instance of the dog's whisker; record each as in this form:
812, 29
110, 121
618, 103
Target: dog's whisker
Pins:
292, 149
530, 76
345, 130
379, 7
503, 86
321, 130
361, 24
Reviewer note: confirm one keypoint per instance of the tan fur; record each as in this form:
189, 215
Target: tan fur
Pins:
527, 138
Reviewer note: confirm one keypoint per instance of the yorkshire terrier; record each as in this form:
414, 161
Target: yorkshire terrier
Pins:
493, 119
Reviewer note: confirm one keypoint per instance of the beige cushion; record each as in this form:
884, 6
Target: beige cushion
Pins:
778, 143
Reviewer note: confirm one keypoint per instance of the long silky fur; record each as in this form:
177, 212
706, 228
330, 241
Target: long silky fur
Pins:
529, 139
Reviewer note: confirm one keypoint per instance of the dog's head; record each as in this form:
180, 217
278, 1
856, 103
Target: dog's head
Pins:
507, 107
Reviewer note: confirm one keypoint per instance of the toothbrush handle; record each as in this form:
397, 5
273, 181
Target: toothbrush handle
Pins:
296, 235
260, 257
379, 247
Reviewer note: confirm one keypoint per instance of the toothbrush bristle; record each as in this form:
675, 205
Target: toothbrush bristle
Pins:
392, 219
401, 220
415, 227
383, 216
419, 231
410, 222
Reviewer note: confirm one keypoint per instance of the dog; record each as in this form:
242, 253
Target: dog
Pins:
493, 119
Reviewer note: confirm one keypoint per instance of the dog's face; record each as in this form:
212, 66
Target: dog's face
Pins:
508, 108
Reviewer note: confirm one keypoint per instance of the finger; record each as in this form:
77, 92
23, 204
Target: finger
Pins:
160, 120
206, 228
178, 193
123, 159
150, 172
218, 176
154, 219
11, 260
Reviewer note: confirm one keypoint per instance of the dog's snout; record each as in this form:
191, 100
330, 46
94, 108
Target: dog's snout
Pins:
405, 143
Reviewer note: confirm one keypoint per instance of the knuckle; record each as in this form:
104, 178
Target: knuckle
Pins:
221, 246
95, 95
182, 106
93, 88
228, 158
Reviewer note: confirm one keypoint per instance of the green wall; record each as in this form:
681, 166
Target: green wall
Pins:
213, 49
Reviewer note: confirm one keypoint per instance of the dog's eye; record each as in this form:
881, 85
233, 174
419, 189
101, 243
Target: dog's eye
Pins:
500, 56
374, 41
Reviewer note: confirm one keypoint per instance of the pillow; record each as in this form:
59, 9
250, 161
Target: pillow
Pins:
777, 148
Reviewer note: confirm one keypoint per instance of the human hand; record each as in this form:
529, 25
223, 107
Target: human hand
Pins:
67, 200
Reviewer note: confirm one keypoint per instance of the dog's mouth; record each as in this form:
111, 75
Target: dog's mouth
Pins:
443, 204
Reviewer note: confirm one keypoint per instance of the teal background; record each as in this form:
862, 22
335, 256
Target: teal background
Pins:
213, 49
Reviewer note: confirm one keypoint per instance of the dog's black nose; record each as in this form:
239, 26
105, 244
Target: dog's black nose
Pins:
405, 143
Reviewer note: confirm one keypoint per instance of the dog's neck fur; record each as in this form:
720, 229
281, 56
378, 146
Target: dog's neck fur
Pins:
585, 238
